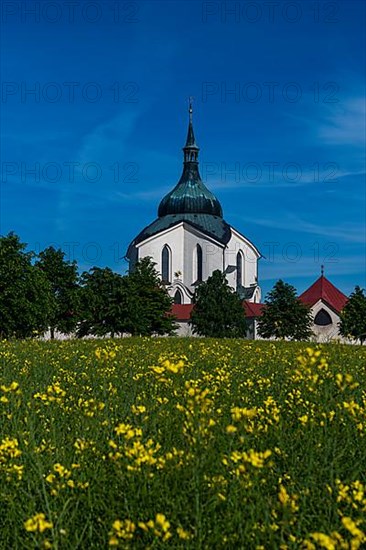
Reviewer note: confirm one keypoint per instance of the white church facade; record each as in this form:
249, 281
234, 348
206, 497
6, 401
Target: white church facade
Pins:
190, 239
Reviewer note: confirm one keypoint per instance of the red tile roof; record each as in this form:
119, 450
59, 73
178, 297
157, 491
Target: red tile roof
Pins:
183, 311
324, 290
252, 309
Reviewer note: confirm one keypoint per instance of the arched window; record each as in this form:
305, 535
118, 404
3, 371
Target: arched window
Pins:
178, 297
165, 264
199, 262
239, 269
322, 318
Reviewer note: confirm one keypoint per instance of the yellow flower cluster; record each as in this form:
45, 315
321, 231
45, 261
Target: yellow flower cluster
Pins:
60, 478
13, 388
121, 530
105, 354
53, 393
336, 541
90, 406
9, 455
159, 527
240, 413
38, 523
345, 381
288, 501
353, 493
238, 461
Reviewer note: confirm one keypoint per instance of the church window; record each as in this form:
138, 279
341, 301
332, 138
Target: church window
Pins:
178, 297
199, 262
239, 269
322, 318
165, 264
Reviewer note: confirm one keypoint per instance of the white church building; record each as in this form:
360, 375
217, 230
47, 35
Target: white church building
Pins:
190, 238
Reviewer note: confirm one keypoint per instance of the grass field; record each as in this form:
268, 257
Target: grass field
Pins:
182, 443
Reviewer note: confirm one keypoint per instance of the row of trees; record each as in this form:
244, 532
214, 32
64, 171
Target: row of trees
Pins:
45, 292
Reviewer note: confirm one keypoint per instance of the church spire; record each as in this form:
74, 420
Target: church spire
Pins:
190, 149
190, 195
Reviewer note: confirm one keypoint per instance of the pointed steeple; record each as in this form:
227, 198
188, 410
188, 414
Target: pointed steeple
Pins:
190, 195
190, 149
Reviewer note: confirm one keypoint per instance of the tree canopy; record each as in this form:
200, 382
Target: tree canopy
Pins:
63, 278
136, 304
284, 315
103, 297
149, 302
25, 293
353, 316
218, 311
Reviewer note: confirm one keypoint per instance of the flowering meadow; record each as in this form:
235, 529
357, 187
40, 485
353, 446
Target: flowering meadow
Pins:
182, 443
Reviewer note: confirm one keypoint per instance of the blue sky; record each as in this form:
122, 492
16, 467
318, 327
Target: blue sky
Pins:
279, 114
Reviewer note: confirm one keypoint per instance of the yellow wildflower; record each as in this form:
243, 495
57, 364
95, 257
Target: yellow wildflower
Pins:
182, 534
37, 523
231, 429
351, 526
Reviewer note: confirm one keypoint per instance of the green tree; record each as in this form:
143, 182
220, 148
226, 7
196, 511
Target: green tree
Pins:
136, 304
218, 311
103, 303
25, 294
149, 304
63, 278
353, 316
284, 315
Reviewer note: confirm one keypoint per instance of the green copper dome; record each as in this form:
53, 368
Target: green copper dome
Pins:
190, 195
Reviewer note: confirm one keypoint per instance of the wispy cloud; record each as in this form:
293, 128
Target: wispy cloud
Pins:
344, 123
347, 232
108, 142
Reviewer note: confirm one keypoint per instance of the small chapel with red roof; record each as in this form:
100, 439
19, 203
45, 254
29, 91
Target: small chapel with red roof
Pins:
326, 303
